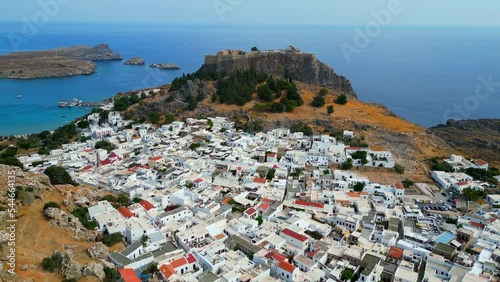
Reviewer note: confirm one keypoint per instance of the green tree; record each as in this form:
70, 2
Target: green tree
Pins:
103, 144
83, 124
442, 167
81, 214
318, 101
347, 274
323, 92
169, 118
261, 77
25, 144
134, 99
472, 195
407, 183
194, 146
329, 109
270, 174
358, 187
111, 274
264, 93
154, 117
58, 175
399, 169
111, 239
260, 220
123, 199
346, 165
342, 100
272, 84
52, 263
254, 49
293, 94
290, 105
192, 103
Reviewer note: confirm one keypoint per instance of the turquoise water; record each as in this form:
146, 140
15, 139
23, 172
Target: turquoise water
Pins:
418, 73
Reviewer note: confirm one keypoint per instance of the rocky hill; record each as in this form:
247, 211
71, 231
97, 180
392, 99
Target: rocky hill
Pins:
304, 67
60, 62
40, 234
136, 61
477, 138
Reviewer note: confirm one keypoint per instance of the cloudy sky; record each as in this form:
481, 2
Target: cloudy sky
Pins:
311, 12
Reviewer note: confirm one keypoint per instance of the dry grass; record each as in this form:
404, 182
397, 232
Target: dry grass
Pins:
354, 110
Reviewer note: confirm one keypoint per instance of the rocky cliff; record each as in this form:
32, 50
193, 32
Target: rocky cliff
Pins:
477, 138
176, 102
61, 62
303, 67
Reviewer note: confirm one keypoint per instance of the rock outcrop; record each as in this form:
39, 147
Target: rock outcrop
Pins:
30, 186
291, 62
70, 269
99, 251
59, 218
476, 138
61, 62
135, 61
196, 88
94, 269
177, 101
165, 66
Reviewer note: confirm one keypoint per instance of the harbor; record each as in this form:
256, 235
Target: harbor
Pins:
79, 103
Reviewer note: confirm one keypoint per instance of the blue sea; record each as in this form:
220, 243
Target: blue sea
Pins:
420, 73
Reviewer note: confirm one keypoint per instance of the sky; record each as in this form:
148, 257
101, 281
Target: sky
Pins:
267, 12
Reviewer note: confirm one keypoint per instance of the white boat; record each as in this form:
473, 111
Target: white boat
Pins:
19, 96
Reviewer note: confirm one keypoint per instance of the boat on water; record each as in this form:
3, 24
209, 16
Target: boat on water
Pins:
19, 96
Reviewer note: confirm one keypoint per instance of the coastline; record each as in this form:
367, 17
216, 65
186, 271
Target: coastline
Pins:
55, 63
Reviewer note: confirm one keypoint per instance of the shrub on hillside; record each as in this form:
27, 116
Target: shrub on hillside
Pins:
58, 175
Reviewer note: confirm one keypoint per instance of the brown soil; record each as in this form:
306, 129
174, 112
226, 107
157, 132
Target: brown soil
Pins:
36, 239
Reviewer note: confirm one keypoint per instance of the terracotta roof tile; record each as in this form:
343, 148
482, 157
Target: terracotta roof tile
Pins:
128, 275
395, 253
309, 204
126, 212
167, 270
178, 263
294, 235
146, 205
286, 266
259, 180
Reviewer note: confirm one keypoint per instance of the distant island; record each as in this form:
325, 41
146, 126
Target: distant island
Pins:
165, 66
60, 62
135, 61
